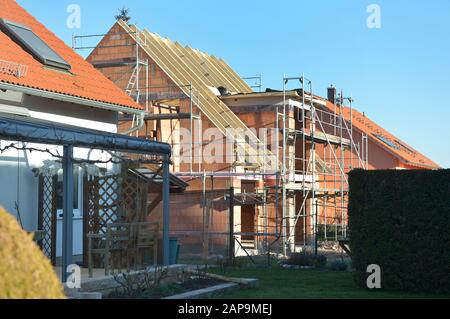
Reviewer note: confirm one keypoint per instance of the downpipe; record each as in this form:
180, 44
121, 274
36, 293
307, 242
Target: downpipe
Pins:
140, 124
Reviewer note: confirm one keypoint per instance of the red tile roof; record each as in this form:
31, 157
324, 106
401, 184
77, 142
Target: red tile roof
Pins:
83, 82
407, 155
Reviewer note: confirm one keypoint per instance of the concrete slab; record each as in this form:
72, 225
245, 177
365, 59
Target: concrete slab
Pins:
205, 292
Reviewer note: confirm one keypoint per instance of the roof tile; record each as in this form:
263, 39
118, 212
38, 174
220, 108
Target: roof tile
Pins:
408, 155
83, 80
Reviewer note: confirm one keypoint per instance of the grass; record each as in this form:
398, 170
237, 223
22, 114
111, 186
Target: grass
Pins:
280, 283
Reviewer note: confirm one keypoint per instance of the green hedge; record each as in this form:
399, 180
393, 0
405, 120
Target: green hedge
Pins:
400, 220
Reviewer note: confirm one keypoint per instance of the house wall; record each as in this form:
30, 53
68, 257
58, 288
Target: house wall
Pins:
18, 183
186, 209
189, 212
332, 209
258, 113
255, 112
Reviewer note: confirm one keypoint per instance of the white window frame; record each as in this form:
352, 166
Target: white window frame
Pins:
77, 213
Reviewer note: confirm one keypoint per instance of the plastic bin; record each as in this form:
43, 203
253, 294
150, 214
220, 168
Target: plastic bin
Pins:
174, 252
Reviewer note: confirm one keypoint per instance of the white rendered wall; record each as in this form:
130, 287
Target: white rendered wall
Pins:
19, 185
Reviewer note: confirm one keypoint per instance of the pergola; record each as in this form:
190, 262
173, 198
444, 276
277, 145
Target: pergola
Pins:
32, 130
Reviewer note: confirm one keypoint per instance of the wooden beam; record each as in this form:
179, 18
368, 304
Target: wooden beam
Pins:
154, 203
173, 116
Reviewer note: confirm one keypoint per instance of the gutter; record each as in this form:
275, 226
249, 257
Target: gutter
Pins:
31, 130
423, 166
71, 99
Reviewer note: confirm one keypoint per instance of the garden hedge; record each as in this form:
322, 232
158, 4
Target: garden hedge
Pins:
400, 220
25, 273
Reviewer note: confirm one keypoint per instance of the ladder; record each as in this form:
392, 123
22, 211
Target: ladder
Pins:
132, 82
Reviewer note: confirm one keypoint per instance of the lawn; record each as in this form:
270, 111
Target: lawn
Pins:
280, 283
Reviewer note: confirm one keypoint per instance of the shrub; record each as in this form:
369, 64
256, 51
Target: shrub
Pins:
307, 259
135, 285
25, 273
301, 259
320, 261
400, 220
338, 265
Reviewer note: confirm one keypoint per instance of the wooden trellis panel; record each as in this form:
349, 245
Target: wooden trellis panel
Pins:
135, 197
101, 206
102, 203
47, 212
112, 199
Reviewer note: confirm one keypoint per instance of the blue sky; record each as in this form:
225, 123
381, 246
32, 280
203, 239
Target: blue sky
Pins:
398, 74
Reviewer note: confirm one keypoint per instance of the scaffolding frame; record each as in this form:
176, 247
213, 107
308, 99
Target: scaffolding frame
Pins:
294, 175
258, 81
134, 80
138, 63
134, 89
340, 152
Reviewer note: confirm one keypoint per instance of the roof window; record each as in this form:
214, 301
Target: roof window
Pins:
387, 142
407, 148
28, 39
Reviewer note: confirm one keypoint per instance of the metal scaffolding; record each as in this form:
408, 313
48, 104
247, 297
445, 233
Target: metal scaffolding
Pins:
315, 147
318, 150
255, 82
158, 96
136, 62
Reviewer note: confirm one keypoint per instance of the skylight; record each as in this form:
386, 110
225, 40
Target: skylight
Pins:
387, 142
27, 38
409, 149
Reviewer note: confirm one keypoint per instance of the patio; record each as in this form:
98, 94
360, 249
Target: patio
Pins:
43, 133
101, 286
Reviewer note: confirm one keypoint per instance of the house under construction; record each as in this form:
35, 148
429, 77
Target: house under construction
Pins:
264, 170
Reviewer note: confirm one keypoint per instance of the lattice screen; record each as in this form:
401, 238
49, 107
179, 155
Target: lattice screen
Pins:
102, 203
47, 215
113, 199
135, 196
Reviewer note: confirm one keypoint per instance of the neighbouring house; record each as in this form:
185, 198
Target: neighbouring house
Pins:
64, 169
284, 182
341, 138
384, 150
179, 97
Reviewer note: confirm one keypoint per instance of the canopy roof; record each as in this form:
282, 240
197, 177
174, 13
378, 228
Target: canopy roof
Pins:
27, 129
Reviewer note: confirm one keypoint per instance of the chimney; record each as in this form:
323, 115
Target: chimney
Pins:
223, 90
332, 94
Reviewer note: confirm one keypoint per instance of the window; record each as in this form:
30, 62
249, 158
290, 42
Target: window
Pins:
387, 142
77, 193
405, 147
27, 38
